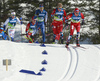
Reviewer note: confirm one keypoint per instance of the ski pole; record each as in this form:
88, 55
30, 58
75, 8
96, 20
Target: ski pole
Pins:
21, 28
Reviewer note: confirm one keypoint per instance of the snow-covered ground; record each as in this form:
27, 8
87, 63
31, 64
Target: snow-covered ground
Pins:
73, 64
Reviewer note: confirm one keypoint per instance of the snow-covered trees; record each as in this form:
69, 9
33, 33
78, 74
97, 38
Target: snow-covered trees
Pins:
26, 9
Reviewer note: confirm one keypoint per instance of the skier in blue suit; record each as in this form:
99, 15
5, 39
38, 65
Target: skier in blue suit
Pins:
41, 16
9, 25
2, 34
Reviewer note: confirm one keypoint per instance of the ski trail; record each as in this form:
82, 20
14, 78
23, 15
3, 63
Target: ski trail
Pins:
68, 68
99, 74
73, 64
97, 47
76, 62
69, 64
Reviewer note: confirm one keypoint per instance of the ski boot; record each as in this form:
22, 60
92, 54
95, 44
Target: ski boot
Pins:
42, 44
67, 44
53, 42
77, 43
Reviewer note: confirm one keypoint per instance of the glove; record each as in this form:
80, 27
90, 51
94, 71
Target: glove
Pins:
21, 22
56, 14
37, 14
82, 22
66, 24
32, 36
5, 32
20, 18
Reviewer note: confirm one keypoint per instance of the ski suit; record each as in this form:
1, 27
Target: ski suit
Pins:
31, 31
75, 23
40, 21
57, 24
11, 22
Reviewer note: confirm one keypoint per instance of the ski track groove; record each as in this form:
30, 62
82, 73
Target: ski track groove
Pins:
76, 62
97, 47
69, 64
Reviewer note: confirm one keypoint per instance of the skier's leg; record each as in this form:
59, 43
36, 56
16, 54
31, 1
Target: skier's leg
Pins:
61, 33
54, 32
53, 38
61, 37
57, 34
43, 32
78, 35
71, 34
32, 38
11, 33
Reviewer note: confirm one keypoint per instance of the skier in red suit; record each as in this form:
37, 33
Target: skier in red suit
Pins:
31, 29
57, 24
75, 24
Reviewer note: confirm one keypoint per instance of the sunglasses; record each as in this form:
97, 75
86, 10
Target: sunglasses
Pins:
76, 13
12, 15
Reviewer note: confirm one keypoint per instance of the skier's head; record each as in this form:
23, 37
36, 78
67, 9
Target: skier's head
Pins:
59, 6
41, 7
76, 11
34, 19
13, 14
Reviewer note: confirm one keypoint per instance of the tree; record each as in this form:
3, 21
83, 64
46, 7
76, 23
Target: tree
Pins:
26, 9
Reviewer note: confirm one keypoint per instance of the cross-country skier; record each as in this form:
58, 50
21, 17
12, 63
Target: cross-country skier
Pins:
41, 20
10, 23
2, 34
57, 23
31, 29
75, 23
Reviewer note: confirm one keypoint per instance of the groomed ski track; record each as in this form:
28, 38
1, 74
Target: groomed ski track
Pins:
75, 64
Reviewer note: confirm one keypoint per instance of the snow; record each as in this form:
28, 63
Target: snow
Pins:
73, 64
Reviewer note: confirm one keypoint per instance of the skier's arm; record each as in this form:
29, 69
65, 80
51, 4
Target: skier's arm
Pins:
46, 17
63, 19
64, 13
82, 16
6, 22
27, 27
36, 13
53, 12
18, 21
66, 19
64, 16
69, 16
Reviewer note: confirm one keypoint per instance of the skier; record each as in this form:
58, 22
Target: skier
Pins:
10, 23
31, 29
58, 14
2, 34
75, 23
41, 16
